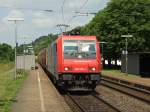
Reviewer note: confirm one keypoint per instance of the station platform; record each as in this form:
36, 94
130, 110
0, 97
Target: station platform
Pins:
128, 77
39, 95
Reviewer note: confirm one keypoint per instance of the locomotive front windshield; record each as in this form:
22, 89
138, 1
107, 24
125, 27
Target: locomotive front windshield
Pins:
79, 49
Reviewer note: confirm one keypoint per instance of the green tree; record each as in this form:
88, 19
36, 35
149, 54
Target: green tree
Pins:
6, 52
118, 18
38, 44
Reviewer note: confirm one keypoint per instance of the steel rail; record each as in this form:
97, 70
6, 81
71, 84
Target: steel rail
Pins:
129, 90
80, 107
142, 87
104, 106
111, 106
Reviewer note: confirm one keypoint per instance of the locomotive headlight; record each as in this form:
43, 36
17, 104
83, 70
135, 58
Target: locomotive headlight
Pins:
66, 68
93, 69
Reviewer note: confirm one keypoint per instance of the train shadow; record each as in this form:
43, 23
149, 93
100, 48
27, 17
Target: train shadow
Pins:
77, 93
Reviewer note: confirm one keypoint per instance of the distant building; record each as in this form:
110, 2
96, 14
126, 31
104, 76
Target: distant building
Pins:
25, 62
138, 63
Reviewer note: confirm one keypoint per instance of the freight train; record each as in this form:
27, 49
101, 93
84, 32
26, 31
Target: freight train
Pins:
73, 62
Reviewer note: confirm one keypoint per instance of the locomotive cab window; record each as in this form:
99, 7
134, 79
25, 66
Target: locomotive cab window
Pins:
79, 49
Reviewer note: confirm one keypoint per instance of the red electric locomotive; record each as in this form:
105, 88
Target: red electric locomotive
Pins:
74, 62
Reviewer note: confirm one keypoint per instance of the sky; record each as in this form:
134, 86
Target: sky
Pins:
38, 22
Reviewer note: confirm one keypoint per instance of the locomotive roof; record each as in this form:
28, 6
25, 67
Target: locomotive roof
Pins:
75, 37
78, 37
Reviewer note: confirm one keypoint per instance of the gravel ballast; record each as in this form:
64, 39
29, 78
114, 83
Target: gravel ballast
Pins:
123, 102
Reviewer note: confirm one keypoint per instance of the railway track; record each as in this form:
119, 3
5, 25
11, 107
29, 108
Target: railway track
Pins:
88, 103
127, 88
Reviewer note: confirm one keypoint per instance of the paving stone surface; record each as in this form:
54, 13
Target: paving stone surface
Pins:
39, 95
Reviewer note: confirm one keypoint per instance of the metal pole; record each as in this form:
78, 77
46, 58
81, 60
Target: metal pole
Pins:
103, 42
126, 52
126, 56
102, 56
102, 52
15, 49
24, 55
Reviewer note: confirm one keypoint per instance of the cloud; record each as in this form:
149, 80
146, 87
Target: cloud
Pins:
42, 20
75, 4
38, 22
42, 23
2, 28
6, 2
13, 14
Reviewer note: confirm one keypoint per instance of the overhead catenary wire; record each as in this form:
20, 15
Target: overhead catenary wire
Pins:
62, 11
63, 17
74, 16
83, 5
30, 9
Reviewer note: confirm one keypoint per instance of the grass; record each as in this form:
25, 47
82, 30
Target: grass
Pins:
5, 66
117, 73
8, 86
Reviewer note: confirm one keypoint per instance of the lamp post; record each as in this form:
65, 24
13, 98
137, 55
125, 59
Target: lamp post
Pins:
126, 47
15, 20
